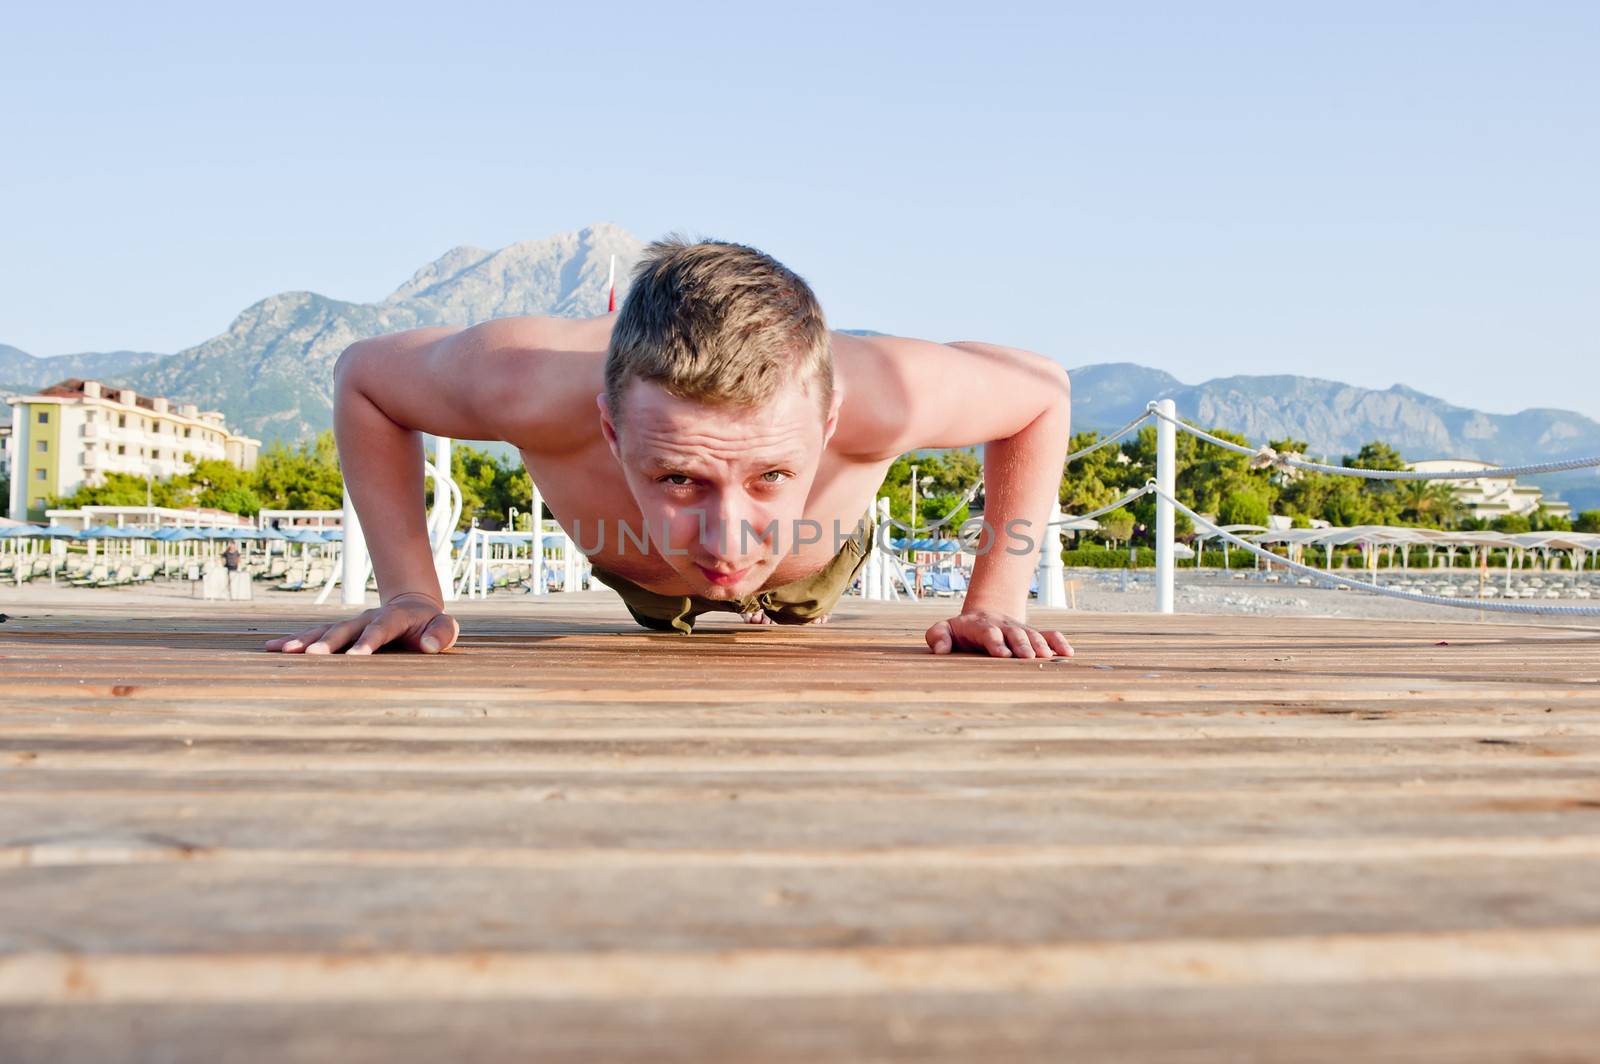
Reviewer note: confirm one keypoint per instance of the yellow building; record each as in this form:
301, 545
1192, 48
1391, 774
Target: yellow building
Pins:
75, 432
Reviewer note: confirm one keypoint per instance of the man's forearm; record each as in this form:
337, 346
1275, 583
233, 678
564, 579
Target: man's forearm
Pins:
1021, 477
382, 463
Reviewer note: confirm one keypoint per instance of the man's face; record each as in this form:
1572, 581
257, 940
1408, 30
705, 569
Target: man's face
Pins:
722, 489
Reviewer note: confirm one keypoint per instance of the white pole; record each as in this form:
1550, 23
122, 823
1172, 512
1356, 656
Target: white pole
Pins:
356, 563
1167, 484
885, 578
569, 566
869, 573
442, 505
538, 577
1052, 574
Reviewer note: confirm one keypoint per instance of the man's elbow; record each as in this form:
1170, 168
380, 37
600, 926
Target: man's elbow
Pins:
1055, 384
1062, 382
346, 366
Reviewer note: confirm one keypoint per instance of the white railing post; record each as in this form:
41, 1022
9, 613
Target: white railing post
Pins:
1166, 485
446, 512
869, 572
1052, 573
355, 562
569, 563
536, 575
885, 589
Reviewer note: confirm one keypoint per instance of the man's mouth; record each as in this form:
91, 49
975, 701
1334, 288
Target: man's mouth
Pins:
723, 578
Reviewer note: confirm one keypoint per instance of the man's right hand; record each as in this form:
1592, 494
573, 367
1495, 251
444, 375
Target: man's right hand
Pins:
413, 621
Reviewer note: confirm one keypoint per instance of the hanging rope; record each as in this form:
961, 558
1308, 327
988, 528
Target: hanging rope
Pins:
1109, 440
914, 533
1266, 456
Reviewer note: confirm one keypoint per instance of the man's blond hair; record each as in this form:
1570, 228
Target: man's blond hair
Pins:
718, 323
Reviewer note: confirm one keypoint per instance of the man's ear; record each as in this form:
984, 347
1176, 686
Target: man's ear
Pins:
608, 428
832, 424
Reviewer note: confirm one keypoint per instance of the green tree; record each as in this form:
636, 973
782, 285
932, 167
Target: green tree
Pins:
1375, 455
1244, 506
1542, 520
1587, 521
1116, 527
1511, 524
305, 477
1428, 504
943, 480
120, 489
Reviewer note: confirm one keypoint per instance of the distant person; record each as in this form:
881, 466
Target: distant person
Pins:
230, 558
736, 445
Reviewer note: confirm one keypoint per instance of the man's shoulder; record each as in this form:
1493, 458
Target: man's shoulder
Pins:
541, 334
886, 380
901, 394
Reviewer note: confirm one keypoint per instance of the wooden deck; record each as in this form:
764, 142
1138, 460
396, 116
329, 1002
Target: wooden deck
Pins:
1203, 839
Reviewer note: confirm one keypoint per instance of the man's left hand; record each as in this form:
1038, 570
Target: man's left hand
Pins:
997, 635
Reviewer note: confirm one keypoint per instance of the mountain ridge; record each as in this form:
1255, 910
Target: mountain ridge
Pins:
270, 372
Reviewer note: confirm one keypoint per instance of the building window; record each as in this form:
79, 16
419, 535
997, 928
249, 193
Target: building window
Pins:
43, 447
44, 417
186, 432
122, 421
122, 448
38, 474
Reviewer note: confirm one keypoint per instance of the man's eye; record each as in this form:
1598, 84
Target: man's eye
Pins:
774, 476
677, 479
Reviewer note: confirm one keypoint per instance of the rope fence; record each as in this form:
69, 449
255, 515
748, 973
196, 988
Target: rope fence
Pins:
1163, 487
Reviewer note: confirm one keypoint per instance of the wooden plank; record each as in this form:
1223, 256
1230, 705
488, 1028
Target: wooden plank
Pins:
1501, 1021
617, 902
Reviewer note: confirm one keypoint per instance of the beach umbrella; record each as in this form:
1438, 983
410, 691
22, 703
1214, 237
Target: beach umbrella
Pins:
49, 532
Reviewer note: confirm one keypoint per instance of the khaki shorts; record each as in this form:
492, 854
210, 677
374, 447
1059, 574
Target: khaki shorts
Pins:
797, 602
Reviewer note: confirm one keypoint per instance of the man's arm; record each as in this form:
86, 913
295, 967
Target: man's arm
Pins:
389, 390
1018, 405
486, 382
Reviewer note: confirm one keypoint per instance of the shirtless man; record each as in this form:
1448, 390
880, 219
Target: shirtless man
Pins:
735, 437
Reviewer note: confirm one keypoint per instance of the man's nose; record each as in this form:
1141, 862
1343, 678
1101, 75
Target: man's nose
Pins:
732, 529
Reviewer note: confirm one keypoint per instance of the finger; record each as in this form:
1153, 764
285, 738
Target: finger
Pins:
1059, 644
373, 636
1041, 647
994, 641
336, 637
939, 640
440, 635
294, 644
1017, 639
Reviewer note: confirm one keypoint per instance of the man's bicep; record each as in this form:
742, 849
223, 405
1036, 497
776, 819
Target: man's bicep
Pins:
967, 393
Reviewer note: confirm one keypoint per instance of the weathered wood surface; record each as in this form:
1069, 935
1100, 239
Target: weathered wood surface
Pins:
1202, 839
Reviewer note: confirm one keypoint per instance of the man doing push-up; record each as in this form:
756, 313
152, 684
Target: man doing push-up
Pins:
712, 446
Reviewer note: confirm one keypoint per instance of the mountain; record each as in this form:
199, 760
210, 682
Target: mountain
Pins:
271, 372
1336, 419
20, 371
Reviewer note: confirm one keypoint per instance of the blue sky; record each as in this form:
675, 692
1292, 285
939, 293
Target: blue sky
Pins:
1374, 192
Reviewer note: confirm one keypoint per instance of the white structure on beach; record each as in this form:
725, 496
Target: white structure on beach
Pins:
1491, 497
